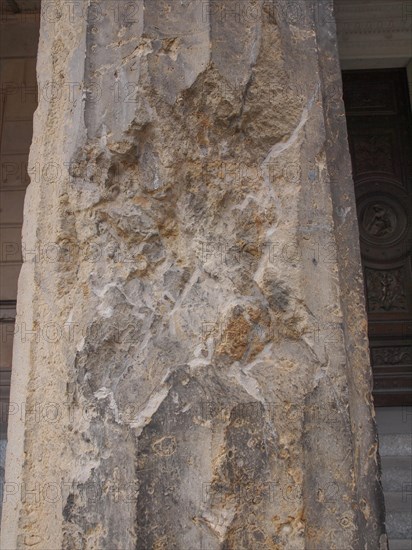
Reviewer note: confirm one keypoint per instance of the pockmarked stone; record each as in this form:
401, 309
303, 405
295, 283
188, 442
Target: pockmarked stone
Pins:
210, 375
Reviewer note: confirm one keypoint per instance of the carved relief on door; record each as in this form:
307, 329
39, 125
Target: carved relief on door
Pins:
380, 140
385, 290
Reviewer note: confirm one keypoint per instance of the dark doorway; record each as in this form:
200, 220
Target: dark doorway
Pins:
379, 121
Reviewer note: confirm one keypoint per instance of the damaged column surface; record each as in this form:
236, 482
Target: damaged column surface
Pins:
191, 363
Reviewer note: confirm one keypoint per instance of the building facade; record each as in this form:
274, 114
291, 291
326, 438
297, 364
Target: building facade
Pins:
191, 363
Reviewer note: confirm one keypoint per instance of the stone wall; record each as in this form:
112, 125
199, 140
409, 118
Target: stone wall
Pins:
197, 373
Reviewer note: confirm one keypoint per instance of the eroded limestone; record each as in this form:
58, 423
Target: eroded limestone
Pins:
207, 395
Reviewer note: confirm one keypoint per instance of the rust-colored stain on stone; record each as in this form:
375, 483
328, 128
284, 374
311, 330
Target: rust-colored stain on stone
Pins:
235, 338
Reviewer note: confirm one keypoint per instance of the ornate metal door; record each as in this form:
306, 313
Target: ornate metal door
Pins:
379, 123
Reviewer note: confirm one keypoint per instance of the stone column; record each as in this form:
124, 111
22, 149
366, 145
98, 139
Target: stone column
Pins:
191, 361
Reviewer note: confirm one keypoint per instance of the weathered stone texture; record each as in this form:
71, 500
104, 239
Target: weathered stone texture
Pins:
215, 383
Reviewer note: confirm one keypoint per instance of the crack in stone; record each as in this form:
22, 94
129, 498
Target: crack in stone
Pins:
152, 405
279, 148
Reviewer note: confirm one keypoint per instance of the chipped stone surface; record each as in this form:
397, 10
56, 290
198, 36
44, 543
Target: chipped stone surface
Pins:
209, 359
